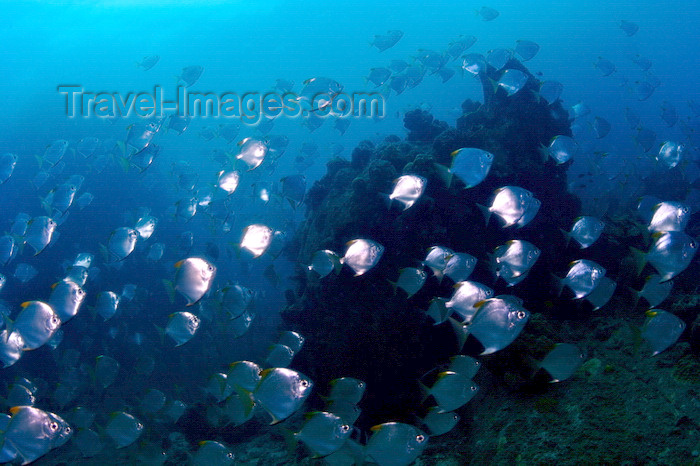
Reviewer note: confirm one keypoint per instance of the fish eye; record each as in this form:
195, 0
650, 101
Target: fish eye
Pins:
420, 438
693, 244
345, 427
229, 455
53, 426
304, 383
473, 388
521, 314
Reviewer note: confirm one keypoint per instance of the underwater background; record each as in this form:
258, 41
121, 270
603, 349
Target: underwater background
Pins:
225, 240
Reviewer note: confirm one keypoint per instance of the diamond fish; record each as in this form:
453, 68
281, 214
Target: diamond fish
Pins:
410, 280
561, 148
40, 230
513, 260
252, 152
106, 370
347, 389
606, 67
601, 127
124, 429
190, 74
585, 231
583, 276
511, 203
670, 254
61, 197
668, 113
466, 294
66, 299
140, 135
211, 453
487, 13
378, 76
107, 304
602, 293
7, 166
388, 40
465, 365
460, 266
345, 410
361, 255
235, 299
31, 432
256, 239
37, 323
156, 251
407, 190
474, 63
291, 339
512, 81
670, 154
654, 291
437, 260
470, 165
193, 278
279, 356
562, 361
395, 444
281, 392
122, 242
244, 374
181, 327
551, 91
498, 321
228, 181
527, 49
498, 58
55, 152
661, 330
8, 249
323, 433
294, 189
669, 216
451, 390
148, 62
439, 422
629, 27
11, 347
459, 46
145, 226
25, 272
324, 262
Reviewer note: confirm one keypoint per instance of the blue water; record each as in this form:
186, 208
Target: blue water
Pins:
246, 47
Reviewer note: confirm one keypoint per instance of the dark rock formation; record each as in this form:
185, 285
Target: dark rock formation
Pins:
358, 326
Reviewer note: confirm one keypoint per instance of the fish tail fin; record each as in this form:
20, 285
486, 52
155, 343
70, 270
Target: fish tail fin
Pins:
387, 200
494, 84
635, 296
485, 211
640, 259
290, 440
438, 311
567, 235
161, 334
424, 392
558, 284
444, 173
39, 160
170, 289
124, 163
104, 253
393, 285
461, 332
